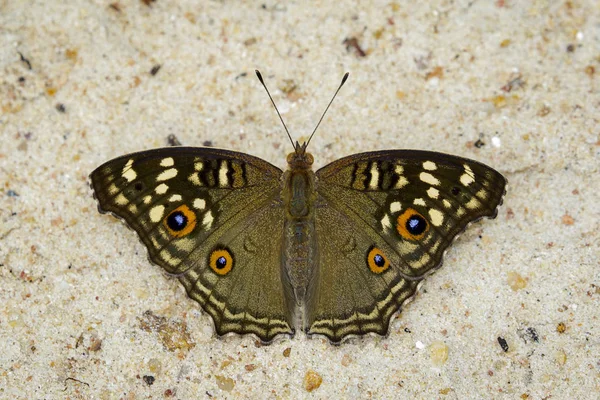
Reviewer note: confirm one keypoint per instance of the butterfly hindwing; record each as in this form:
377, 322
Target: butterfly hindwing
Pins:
394, 214
202, 213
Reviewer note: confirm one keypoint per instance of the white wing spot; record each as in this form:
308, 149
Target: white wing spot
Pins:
437, 217
113, 189
419, 202
421, 262
468, 177
156, 213
399, 169
198, 166
374, 183
428, 178
434, 247
167, 162
162, 188
446, 203
402, 181
429, 166
185, 244
482, 194
147, 199
155, 243
199, 204
194, 179
223, 174
128, 172
433, 193
473, 203
166, 175
175, 197
208, 219
121, 200
395, 206
385, 222
168, 257
132, 208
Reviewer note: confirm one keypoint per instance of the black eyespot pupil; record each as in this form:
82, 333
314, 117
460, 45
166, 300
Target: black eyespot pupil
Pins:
416, 225
379, 260
177, 221
221, 262
138, 186
455, 190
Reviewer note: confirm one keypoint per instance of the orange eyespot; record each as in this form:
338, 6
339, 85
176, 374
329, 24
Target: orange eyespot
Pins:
221, 261
411, 225
377, 261
180, 222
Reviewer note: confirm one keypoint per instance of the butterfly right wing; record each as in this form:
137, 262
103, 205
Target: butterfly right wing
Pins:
212, 218
384, 220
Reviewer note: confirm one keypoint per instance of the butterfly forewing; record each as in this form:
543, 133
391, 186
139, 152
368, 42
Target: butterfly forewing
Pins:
394, 214
202, 214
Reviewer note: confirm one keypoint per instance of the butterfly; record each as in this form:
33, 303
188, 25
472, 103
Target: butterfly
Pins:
335, 252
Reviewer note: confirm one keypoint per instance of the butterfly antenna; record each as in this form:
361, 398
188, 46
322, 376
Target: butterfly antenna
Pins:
344, 79
260, 78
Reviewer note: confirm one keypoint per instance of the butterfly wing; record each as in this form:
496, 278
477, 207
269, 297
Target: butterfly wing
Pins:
203, 215
384, 220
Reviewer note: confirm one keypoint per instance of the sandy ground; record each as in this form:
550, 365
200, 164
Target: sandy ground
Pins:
513, 314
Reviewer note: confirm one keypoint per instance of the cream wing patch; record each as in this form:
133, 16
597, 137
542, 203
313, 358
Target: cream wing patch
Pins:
429, 166
428, 178
162, 188
156, 213
467, 178
436, 216
199, 204
167, 162
128, 172
167, 174
374, 182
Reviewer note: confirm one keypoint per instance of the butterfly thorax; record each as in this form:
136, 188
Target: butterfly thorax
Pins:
299, 245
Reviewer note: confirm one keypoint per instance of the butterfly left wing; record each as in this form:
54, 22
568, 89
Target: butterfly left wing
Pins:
203, 215
384, 220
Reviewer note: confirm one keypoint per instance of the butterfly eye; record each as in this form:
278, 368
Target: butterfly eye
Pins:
221, 261
377, 261
180, 222
411, 225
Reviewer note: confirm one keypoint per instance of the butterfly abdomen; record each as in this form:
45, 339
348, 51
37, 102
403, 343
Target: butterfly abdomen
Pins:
300, 241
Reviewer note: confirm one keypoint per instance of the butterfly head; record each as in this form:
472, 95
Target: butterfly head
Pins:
300, 158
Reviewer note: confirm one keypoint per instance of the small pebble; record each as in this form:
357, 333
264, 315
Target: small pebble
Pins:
561, 357
224, 383
312, 381
515, 281
502, 342
438, 352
